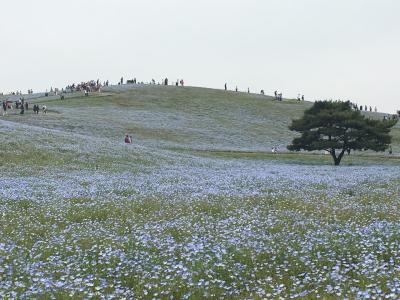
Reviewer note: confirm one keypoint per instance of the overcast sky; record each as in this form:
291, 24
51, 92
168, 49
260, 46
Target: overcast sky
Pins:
342, 49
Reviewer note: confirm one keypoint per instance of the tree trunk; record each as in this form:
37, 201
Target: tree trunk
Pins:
333, 154
341, 155
337, 159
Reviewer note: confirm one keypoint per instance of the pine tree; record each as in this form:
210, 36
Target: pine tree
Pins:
337, 128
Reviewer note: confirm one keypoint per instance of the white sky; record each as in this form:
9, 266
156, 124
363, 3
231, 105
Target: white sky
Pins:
347, 49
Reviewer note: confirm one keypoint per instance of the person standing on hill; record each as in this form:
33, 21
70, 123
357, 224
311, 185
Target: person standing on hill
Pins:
4, 108
128, 139
226, 86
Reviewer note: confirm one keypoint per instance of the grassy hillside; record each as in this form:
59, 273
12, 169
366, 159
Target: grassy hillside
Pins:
174, 117
178, 118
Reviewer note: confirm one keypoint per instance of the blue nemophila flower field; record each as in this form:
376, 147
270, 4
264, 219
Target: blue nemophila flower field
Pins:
84, 216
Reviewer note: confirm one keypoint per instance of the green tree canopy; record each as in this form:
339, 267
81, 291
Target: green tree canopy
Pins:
335, 127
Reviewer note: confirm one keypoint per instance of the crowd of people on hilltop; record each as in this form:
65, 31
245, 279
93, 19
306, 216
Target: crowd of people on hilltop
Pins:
363, 108
277, 95
300, 98
20, 104
391, 117
178, 82
164, 81
366, 108
18, 93
96, 85
88, 86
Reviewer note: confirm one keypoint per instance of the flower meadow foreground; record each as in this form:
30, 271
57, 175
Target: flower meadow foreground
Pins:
236, 230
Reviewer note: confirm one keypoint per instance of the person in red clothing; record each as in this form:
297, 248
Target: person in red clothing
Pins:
128, 139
